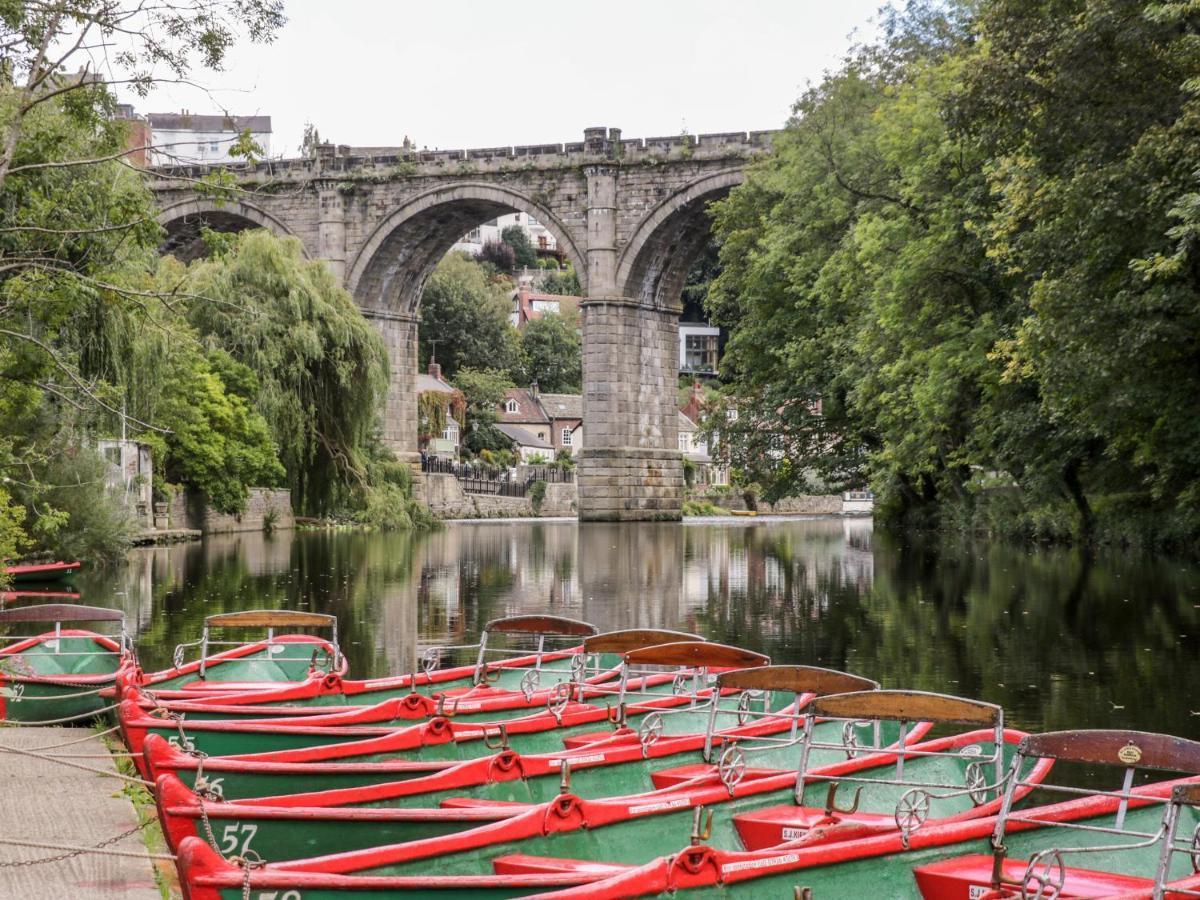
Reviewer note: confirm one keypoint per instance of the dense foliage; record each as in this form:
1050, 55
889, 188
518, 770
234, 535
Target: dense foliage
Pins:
321, 367
483, 389
524, 255
465, 311
967, 275
551, 354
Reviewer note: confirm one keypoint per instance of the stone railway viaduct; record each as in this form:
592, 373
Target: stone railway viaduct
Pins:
630, 215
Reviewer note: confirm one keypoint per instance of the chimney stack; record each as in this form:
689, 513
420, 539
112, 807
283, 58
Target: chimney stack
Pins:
435, 371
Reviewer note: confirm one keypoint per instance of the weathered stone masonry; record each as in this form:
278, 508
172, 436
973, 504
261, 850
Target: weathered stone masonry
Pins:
630, 214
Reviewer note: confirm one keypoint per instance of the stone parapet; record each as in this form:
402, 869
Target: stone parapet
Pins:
266, 508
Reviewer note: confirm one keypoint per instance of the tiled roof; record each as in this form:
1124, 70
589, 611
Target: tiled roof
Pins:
427, 383
563, 406
528, 411
523, 437
686, 424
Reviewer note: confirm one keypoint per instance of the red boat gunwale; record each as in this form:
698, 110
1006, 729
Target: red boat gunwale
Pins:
56, 569
204, 873
180, 809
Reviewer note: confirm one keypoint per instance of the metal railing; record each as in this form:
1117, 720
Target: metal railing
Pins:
478, 478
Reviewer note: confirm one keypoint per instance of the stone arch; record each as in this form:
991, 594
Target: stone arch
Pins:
390, 271
183, 220
655, 262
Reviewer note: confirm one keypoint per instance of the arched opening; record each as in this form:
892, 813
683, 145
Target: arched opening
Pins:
390, 271
655, 263
185, 221
388, 279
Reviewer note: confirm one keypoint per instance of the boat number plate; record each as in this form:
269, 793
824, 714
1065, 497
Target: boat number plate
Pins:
972, 750
978, 890
1129, 754
279, 895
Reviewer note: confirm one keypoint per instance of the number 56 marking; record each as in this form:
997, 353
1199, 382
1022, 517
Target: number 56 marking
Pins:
275, 895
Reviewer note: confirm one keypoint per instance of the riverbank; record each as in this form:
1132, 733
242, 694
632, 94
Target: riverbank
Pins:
52, 807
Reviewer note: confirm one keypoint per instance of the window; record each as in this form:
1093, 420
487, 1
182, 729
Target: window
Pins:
731, 415
450, 433
113, 455
566, 437
685, 441
700, 353
512, 407
214, 146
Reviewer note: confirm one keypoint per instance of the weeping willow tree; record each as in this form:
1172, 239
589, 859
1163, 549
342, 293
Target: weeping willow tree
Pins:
321, 367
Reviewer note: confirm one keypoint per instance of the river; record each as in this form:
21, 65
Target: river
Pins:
1060, 638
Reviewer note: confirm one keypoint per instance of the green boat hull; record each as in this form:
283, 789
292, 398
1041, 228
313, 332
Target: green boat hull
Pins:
84, 666
888, 877
284, 839
234, 742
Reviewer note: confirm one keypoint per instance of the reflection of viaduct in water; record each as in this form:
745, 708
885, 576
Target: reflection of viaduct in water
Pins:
395, 592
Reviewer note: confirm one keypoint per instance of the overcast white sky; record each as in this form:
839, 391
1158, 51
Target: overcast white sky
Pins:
485, 74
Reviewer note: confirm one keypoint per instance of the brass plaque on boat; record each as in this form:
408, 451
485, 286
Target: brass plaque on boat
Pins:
1129, 754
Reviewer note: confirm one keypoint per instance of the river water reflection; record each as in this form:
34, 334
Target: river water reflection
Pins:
1058, 637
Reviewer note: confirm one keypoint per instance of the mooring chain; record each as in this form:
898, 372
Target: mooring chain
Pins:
249, 861
76, 851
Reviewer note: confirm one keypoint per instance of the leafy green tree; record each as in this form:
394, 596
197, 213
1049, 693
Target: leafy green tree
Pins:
552, 354
564, 283
523, 253
320, 367
467, 314
484, 390
217, 442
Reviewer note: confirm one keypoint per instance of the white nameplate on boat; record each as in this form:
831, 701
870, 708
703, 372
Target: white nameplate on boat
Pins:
656, 807
467, 733
467, 707
791, 834
975, 891
595, 757
971, 750
760, 863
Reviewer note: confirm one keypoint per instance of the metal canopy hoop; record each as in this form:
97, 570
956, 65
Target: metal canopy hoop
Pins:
1128, 750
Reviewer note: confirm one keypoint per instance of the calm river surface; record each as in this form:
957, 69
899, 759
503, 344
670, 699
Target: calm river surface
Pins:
1059, 638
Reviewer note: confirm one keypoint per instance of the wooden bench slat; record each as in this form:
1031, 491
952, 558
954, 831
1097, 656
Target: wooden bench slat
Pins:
911, 706
270, 618
697, 654
61, 612
634, 639
1117, 747
538, 624
797, 679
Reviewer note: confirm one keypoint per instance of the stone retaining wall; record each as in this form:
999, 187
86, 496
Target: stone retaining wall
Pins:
803, 505
263, 505
444, 495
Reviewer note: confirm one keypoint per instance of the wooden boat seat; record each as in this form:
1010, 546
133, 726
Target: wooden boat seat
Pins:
575, 741
972, 876
673, 777
523, 864
764, 828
